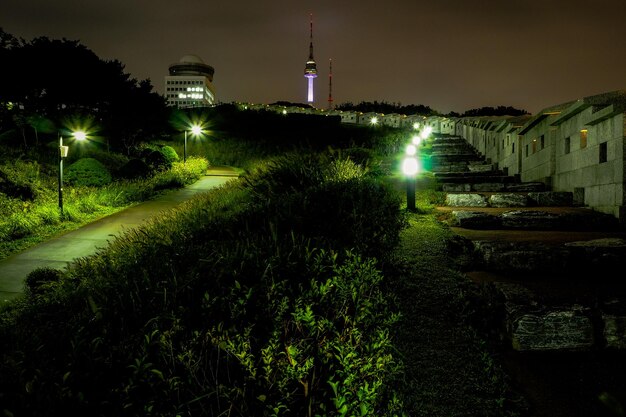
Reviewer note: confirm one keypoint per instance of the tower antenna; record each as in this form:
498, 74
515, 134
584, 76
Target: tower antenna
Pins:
330, 84
310, 70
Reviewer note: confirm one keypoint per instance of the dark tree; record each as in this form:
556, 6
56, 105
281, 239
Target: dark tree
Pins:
385, 107
494, 111
62, 79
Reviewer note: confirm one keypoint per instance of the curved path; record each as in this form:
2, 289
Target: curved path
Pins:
61, 250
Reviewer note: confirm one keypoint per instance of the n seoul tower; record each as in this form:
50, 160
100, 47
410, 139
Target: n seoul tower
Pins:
310, 70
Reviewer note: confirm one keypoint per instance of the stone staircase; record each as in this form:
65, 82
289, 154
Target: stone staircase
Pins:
553, 264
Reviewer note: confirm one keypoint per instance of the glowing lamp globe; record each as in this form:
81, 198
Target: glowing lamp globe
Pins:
409, 166
411, 150
196, 130
79, 135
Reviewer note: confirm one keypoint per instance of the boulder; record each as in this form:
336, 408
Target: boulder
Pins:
531, 220
466, 200
551, 198
475, 220
508, 200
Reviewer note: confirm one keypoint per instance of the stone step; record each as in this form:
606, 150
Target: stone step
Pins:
473, 178
540, 321
533, 220
452, 150
510, 199
579, 258
440, 158
493, 187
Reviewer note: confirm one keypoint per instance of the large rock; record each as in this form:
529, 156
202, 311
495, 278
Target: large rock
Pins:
508, 200
551, 198
456, 188
520, 257
552, 330
526, 186
466, 200
531, 220
531, 325
475, 220
488, 186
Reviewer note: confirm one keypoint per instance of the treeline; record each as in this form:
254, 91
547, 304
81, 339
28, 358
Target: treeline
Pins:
385, 107
423, 110
494, 111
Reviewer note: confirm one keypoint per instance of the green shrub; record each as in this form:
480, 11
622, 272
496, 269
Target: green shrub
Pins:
87, 172
20, 180
19, 225
111, 160
41, 280
48, 213
169, 153
157, 161
133, 169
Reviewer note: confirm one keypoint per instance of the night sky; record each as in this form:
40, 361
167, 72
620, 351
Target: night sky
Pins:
452, 55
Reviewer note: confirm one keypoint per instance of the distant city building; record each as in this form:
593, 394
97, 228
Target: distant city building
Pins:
190, 83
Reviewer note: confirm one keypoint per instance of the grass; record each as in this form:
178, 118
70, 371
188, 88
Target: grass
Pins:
449, 370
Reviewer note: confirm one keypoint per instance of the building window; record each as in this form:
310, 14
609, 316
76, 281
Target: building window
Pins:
513, 148
603, 152
502, 143
534, 145
583, 138
566, 149
526, 151
543, 142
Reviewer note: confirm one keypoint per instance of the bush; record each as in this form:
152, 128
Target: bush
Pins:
170, 154
111, 160
133, 169
40, 280
157, 161
20, 180
87, 172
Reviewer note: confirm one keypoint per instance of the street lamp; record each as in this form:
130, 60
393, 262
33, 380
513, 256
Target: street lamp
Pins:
410, 168
63, 151
195, 131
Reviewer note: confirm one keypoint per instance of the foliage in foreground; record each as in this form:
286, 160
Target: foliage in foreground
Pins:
248, 301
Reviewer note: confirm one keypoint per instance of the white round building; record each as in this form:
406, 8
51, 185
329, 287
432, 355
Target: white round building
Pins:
190, 83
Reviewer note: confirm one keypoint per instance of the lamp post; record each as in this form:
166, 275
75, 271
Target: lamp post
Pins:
195, 131
410, 168
63, 151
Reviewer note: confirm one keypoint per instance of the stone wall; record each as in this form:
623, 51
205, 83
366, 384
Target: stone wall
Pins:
577, 147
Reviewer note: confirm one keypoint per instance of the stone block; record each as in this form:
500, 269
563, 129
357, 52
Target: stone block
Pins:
475, 220
531, 220
508, 200
552, 330
551, 198
614, 331
489, 186
456, 188
466, 200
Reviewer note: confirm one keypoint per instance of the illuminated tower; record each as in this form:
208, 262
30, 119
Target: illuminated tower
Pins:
330, 84
310, 70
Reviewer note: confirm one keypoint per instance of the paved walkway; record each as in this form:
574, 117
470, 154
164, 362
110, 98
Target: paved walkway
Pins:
59, 251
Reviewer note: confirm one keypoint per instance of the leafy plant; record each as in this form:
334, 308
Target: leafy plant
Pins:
87, 172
